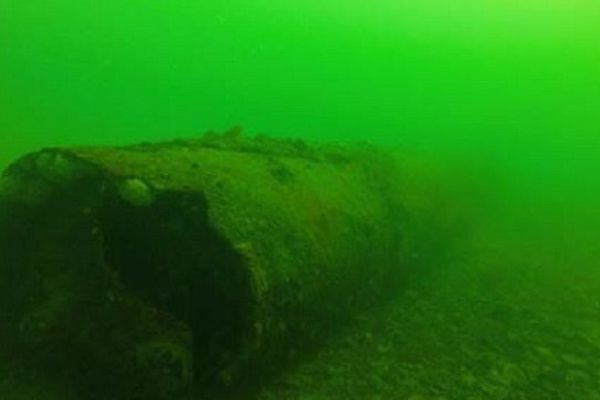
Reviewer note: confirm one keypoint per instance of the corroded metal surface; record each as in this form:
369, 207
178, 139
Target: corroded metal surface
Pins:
145, 271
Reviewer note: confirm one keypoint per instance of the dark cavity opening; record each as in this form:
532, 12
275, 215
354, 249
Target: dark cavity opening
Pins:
170, 256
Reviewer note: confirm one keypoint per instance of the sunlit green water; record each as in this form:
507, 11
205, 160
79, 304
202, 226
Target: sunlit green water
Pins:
516, 83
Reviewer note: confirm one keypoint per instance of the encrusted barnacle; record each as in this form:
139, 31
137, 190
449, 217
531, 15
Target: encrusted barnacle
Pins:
136, 192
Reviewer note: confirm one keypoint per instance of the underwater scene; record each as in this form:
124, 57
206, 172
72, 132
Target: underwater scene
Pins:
317, 200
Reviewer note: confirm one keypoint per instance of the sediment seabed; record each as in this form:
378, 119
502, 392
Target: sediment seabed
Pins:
189, 268
507, 321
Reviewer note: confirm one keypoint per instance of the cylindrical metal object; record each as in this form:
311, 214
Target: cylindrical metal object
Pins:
137, 271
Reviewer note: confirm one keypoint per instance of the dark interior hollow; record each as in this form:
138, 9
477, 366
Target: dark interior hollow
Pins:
170, 256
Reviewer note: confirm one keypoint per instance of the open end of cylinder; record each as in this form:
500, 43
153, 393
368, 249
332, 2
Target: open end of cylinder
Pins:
169, 255
74, 246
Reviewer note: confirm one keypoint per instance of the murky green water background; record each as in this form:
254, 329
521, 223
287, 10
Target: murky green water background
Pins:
515, 83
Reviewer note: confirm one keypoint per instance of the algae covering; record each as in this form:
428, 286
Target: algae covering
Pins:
203, 266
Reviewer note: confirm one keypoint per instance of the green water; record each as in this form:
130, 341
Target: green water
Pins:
513, 86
